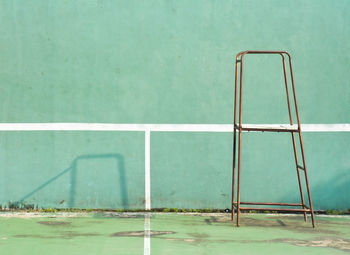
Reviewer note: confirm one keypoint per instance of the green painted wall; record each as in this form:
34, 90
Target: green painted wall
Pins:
73, 169
168, 62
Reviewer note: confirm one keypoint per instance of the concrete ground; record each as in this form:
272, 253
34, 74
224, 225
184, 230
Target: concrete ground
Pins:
127, 233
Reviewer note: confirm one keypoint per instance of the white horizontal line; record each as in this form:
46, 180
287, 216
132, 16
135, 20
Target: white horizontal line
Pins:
325, 127
161, 127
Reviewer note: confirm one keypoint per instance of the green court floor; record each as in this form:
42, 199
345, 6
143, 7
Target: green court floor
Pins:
127, 233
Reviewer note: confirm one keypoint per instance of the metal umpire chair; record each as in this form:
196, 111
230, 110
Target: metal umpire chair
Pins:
293, 129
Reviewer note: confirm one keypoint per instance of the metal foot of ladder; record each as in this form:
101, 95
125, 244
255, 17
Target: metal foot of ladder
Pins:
293, 129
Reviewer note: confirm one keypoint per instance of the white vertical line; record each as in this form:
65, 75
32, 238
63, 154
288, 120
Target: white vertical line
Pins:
147, 170
147, 235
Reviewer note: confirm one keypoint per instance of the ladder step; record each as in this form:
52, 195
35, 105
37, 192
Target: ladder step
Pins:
265, 203
274, 209
268, 128
301, 167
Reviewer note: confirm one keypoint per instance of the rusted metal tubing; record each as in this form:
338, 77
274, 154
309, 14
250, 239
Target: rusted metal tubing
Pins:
266, 203
298, 174
300, 167
274, 209
270, 129
234, 145
239, 140
301, 140
238, 127
242, 53
261, 128
293, 137
287, 90
265, 52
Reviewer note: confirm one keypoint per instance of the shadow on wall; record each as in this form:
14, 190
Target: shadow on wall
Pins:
73, 178
333, 193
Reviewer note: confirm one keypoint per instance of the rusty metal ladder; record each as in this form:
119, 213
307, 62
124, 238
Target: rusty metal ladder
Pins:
293, 129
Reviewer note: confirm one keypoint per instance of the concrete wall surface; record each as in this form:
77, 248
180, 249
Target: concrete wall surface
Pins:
169, 62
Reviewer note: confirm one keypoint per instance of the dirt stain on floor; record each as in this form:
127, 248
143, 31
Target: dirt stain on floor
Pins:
62, 235
326, 242
54, 223
95, 222
337, 243
141, 233
199, 235
193, 241
35, 236
71, 234
217, 220
119, 215
296, 224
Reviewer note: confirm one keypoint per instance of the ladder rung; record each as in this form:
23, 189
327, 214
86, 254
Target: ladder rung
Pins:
268, 128
265, 203
274, 209
300, 167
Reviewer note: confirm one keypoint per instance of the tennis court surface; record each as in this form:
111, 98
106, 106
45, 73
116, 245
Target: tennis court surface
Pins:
170, 233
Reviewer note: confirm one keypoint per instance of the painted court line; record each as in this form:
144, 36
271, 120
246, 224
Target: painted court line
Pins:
147, 235
160, 127
147, 170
